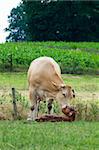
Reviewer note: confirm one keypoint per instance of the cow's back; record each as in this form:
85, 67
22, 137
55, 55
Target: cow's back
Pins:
43, 71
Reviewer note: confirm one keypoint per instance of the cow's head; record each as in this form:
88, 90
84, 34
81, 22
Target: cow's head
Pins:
65, 92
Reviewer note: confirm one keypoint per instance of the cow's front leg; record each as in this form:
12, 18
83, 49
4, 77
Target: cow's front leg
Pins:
34, 111
34, 105
49, 106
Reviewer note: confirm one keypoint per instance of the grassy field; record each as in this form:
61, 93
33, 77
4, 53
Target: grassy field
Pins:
78, 135
80, 58
20, 135
81, 83
86, 86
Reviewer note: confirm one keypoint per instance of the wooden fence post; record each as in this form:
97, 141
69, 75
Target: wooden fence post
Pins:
15, 114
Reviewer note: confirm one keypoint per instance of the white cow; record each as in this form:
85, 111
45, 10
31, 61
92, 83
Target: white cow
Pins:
45, 83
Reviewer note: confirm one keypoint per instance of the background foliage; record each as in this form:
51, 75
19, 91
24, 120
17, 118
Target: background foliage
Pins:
72, 57
55, 21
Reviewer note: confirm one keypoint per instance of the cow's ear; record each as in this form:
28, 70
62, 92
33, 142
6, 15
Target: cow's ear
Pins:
55, 84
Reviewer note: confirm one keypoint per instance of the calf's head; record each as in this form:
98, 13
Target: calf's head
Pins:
70, 112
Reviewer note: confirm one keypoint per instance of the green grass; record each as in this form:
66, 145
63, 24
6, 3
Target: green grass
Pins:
78, 135
17, 80
19, 135
81, 83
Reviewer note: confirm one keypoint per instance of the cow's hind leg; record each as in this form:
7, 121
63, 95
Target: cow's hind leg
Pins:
49, 106
34, 105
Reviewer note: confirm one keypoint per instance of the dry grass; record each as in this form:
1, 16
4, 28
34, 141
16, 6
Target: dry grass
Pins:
86, 102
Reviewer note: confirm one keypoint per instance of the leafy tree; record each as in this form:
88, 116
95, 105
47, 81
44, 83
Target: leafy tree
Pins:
17, 25
55, 20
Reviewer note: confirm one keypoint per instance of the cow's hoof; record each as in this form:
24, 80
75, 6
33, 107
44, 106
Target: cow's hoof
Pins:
31, 119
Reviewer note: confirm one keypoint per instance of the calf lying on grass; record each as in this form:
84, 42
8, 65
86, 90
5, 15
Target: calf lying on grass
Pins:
45, 83
70, 116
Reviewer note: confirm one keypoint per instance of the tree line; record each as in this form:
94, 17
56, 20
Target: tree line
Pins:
54, 20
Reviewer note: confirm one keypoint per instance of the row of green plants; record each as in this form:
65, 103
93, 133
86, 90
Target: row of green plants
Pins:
72, 57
